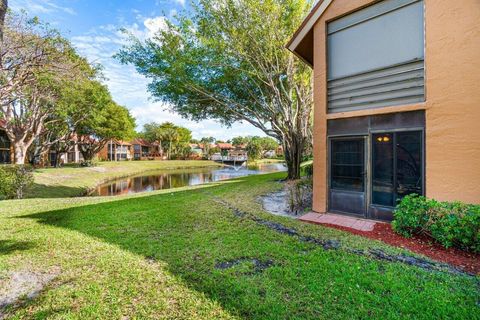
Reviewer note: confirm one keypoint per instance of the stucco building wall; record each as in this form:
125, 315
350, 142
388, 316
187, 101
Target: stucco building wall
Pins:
452, 58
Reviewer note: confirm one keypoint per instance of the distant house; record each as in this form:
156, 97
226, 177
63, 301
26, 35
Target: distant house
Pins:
196, 150
116, 150
73, 155
225, 148
397, 102
141, 148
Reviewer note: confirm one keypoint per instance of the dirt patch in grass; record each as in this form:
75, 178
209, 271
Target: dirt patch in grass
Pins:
466, 261
18, 285
293, 200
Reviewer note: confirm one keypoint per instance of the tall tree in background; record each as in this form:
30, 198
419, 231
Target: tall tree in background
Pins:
173, 139
226, 61
206, 143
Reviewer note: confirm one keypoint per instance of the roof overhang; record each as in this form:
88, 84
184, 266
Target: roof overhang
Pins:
301, 43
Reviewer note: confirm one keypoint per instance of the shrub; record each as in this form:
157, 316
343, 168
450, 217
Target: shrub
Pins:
14, 181
308, 170
450, 223
89, 163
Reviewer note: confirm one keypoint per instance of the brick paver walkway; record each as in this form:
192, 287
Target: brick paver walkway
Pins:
339, 220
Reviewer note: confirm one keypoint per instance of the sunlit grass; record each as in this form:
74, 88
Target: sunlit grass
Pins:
155, 256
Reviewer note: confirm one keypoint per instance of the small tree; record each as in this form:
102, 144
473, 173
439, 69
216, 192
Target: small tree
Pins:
110, 121
206, 143
239, 141
14, 181
254, 149
173, 139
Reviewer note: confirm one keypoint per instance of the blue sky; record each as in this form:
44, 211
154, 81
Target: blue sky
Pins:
93, 28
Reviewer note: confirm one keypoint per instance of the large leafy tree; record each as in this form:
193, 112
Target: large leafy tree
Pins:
77, 101
226, 60
37, 64
108, 121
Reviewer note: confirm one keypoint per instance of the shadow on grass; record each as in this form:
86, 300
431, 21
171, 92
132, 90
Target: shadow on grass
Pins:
10, 246
187, 230
53, 191
218, 254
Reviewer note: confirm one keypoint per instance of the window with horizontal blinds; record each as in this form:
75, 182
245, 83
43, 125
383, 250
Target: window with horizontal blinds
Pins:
376, 57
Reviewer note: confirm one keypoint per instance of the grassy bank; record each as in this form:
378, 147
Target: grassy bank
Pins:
209, 252
264, 161
74, 181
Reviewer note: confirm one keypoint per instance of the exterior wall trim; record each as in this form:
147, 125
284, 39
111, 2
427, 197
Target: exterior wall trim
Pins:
383, 110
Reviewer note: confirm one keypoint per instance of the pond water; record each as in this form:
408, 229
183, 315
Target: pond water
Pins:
158, 180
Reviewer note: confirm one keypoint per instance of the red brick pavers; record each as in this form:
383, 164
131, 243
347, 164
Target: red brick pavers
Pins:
339, 220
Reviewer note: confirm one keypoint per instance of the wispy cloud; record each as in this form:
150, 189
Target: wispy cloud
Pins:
182, 3
41, 7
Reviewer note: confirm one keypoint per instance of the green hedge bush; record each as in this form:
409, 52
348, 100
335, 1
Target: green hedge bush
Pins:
308, 170
14, 181
453, 224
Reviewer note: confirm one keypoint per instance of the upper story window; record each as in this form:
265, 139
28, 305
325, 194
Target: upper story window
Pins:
375, 57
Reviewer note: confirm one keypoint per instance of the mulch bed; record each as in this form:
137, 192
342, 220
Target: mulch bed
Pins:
469, 262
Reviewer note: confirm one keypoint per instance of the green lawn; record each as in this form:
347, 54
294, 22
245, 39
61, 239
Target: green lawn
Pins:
207, 252
74, 181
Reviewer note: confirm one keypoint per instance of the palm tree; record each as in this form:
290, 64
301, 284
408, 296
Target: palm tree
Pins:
167, 132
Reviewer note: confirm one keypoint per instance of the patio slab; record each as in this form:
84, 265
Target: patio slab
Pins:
339, 220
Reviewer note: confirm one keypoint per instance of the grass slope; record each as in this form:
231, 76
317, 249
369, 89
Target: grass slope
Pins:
157, 256
74, 181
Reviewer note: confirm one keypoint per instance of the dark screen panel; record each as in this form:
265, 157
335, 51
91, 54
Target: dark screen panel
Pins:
347, 165
397, 166
409, 163
382, 165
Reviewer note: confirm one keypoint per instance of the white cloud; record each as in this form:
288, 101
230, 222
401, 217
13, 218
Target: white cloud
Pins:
181, 2
153, 25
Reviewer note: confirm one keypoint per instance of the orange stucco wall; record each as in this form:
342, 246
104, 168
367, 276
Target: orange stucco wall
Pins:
452, 58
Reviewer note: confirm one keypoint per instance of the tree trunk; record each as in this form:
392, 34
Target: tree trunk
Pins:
88, 151
88, 154
293, 149
20, 152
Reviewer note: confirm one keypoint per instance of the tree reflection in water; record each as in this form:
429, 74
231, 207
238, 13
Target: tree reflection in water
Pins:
179, 178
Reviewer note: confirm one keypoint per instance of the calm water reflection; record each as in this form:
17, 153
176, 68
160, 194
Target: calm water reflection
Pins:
179, 178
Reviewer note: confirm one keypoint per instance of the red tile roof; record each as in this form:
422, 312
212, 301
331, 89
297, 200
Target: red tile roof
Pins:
225, 146
141, 142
